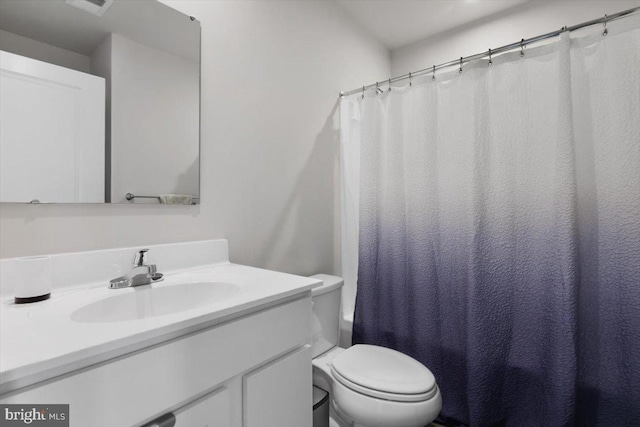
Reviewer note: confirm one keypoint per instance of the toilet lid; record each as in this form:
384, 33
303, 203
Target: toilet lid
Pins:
383, 372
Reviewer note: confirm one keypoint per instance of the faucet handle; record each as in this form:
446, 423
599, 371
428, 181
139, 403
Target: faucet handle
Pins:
140, 258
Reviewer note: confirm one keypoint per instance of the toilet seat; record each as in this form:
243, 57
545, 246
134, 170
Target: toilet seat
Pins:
395, 397
383, 373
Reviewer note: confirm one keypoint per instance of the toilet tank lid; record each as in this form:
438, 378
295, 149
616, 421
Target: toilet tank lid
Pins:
329, 283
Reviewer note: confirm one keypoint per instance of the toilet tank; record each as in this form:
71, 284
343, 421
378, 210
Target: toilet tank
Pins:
326, 313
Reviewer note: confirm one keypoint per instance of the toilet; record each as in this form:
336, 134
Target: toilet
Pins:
368, 385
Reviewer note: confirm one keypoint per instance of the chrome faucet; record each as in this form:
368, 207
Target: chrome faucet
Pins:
140, 274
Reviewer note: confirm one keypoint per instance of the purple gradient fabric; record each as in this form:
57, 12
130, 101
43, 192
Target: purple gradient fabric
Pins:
500, 234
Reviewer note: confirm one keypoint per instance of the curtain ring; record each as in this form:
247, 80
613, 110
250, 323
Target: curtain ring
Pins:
378, 90
410, 82
605, 32
522, 47
389, 84
490, 61
362, 92
460, 70
433, 77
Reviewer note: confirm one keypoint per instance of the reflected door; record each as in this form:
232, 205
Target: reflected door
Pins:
52, 123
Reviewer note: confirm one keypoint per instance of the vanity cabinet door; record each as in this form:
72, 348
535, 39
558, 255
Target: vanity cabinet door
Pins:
212, 410
279, 393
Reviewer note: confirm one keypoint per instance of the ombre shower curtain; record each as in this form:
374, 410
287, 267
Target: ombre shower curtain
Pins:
499, 230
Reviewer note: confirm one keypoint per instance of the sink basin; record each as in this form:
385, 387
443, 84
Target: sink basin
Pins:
146, 301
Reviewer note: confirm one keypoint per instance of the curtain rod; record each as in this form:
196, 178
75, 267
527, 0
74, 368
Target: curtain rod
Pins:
521, 45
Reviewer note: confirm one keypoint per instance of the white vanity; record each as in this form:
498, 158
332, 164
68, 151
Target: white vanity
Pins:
213, 343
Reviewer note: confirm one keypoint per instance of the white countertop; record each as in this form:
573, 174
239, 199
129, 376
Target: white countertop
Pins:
39, 341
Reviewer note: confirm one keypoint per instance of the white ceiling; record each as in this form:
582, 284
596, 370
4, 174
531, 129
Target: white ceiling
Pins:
148, 22
397, 23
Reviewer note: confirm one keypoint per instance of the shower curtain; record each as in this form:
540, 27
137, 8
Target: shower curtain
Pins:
499, 230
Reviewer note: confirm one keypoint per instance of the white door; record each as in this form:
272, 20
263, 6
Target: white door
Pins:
52, 132
211, 410
280, 393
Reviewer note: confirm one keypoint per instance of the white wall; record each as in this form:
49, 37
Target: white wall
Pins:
100, 61
531, 19
154, 121
271, 73
35, 49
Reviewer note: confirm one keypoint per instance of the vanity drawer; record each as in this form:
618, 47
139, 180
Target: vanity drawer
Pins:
136, 387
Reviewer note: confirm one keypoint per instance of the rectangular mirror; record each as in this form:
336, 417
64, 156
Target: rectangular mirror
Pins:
99, 102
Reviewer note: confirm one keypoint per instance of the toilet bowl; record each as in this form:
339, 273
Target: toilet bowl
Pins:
368, 385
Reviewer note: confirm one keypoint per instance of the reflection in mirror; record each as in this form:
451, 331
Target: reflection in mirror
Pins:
100, 102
